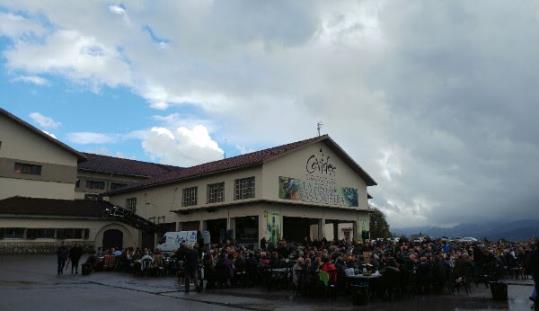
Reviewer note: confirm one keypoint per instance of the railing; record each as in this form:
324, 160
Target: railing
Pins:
126, 216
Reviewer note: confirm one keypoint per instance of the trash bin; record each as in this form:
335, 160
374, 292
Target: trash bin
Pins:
360, 294
498, 290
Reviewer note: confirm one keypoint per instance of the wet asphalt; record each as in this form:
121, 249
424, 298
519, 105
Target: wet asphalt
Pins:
31, 283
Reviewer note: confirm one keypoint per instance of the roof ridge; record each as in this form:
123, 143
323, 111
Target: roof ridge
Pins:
214, 167
133, 160
262, 150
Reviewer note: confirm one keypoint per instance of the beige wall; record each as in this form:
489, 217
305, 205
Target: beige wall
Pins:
59, 167
159, 201
96, 227
10, 187
293, 165
20, 143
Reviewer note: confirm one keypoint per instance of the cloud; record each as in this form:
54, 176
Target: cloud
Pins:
182, 146
117, 9
436, 100
44, 121
15, 26
81, 58
85, 138
37, 80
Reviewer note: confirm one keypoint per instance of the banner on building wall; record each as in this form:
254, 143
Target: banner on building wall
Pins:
273, 227
317, 190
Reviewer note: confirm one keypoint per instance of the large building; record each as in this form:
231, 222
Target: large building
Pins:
51, 194
307, 189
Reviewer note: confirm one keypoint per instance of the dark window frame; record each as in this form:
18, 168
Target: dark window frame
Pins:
91, 184
11, 233
40, 233
244, 188
27, 169
190, 196
216, 192
115, 185
131, 204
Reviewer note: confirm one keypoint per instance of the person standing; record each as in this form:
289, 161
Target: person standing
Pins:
191, 268
61, 254
263, 243
74, 255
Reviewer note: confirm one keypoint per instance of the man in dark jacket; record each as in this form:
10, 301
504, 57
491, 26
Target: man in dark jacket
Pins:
61, 254
191, 267
74, 255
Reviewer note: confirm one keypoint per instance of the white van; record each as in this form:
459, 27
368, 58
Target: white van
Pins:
171, 241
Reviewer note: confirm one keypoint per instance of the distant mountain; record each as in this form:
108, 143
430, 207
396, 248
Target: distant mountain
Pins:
513, 230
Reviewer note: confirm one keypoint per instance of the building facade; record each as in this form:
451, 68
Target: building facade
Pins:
305, 190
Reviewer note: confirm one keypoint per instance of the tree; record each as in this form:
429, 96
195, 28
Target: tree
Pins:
378, 225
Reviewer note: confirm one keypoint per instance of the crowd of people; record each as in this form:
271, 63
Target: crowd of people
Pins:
402, 267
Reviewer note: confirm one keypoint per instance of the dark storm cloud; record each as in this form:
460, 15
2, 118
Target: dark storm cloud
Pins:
468, 69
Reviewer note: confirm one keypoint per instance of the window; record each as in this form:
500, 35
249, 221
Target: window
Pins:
11, 233
72, 233
114, 186
31, 169
189, 196
40, 233
77, 183
94, 184
216, 192
244, 188
131, 204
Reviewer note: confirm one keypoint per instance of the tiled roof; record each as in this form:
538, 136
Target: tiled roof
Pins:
39, 132
52, 207
112, 165
248, 160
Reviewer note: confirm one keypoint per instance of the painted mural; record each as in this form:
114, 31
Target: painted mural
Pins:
317, 190
273, 227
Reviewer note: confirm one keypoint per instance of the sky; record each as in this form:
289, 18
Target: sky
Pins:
436, 100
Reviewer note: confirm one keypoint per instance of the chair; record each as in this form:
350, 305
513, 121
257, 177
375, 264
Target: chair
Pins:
329, 281
108, 262
145, 266
390, 283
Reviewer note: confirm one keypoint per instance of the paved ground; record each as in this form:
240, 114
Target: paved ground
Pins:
30, 283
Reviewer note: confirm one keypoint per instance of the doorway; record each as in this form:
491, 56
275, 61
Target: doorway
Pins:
113, 238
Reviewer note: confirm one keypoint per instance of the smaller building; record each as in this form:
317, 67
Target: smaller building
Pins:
101, 173
38, 225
